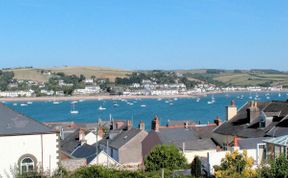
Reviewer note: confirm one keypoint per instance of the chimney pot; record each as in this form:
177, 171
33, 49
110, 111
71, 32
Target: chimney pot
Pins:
155, 124
142, 125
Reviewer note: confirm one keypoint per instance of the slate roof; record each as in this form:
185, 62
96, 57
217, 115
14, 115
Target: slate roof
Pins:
179, 122
240, 126
84, 151
70, 142
87, 151
122, 138
14, 123
250, 143
178, 136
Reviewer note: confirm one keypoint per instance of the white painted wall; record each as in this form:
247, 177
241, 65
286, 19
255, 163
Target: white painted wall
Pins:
103, 158
216, 157
91, 138
13, 147
190, 155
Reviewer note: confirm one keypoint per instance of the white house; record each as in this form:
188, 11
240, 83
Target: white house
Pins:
91, 138
26, 145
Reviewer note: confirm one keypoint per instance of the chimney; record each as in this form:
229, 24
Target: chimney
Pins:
236, 146
142, 125
218, 121
186, 125
253, 111
100, 132
129, 124
82, 136
155, 124
231, 111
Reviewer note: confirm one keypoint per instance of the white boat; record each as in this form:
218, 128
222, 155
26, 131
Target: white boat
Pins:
116, 105
74, 111
23, 104
56, 102
250, 97
29, 102
81, 101
268, 98
159, 99
143, 105
101, 108
171, 104
210, 102
198, 100
74, 102
175, 99
130, 103
15, 104
279, 95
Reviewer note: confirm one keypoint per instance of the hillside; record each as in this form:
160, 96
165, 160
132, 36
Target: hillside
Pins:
240, 78
215, 76
40, 74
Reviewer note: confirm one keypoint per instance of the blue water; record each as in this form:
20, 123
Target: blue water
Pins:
182, 109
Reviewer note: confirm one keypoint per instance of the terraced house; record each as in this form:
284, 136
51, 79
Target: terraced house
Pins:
253, 120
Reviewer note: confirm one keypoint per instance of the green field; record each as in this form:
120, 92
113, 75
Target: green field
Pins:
100, 72
245, 79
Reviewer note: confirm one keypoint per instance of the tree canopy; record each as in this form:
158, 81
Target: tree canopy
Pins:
236, 165
165, 156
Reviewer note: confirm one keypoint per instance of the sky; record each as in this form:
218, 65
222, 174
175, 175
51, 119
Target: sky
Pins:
145, 34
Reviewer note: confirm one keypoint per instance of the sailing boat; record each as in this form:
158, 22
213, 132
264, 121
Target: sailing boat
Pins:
101, 108
74, 111
55, 102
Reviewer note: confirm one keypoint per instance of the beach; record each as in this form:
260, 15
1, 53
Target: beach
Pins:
115, 97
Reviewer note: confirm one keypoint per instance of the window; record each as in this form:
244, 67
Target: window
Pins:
26, 165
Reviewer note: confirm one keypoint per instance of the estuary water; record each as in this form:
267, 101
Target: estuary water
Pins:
201, 110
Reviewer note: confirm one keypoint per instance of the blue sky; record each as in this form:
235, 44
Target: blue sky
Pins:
145, 34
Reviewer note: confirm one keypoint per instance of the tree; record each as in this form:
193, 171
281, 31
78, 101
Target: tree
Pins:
165, 156
236, 165
278, 168
196, 167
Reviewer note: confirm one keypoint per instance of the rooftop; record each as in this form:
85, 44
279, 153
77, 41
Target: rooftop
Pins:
240, 125
14, 123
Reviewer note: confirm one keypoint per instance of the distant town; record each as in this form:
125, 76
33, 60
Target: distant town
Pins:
136, 83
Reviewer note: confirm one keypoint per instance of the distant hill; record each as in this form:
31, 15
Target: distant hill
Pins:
40, 74
253, 77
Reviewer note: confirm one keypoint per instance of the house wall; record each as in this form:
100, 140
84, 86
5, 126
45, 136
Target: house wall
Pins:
103, 159
190, 155
131, 152
214, 158
91, 138
14, 147
151, 140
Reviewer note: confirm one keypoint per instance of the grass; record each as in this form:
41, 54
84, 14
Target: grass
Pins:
244, 79
100, 72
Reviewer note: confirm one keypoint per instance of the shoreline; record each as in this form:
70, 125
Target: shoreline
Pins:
117, 97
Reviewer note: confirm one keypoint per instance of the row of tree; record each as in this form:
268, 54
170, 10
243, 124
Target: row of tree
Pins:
5, 79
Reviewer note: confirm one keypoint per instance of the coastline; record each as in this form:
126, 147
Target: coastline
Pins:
115, 97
